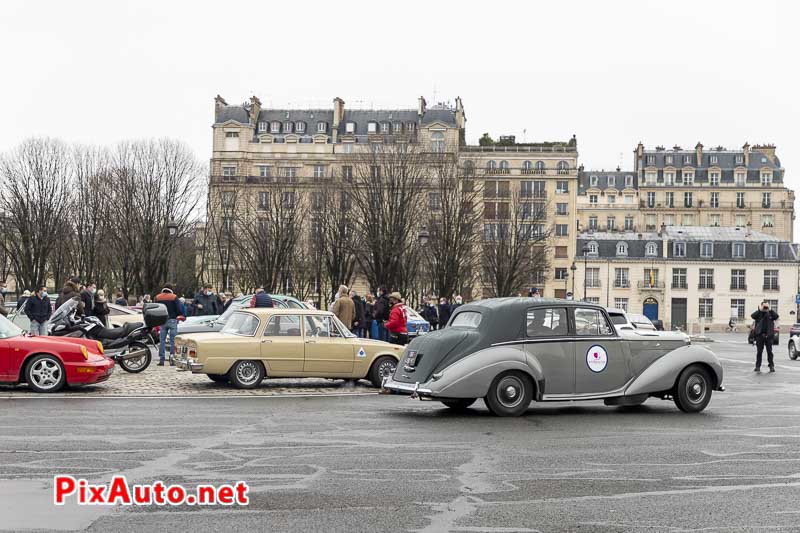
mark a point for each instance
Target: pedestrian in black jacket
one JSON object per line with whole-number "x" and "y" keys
{"x": 360, "y": 314}
{"x": 100, "y": 308}
{"x": 380, "y": 313}
{"x": 764, "y": 331}
{"x": 444, "y": 312}
{"x": 369, "y": 310}
{"x": 38, "y": 310}
{"x": 87, "y": 297}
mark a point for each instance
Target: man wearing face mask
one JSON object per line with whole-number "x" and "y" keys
{"x": 87, "y": 297}
{"x": 38, "y": 310}
{"x": 3, "y": 290}
{"x": 205, "y": 302}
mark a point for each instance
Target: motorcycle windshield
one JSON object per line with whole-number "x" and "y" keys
{"x": 63, "y": 312}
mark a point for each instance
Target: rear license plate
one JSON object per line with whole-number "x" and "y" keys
{"x": 411, "y": 358}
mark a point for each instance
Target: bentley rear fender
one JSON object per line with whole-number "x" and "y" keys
{"x": 471, "y": 376}
{"x": 663, "y": 373}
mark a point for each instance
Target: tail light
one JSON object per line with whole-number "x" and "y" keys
{"x": 157, "y": 330}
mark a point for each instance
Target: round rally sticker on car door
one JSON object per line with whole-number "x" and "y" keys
{"x": 596, "y": 358}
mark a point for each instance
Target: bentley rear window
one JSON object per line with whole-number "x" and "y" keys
{"x": 466, "y": 319}
{"x": 546, "y": 322}
{"x": 590, "y": 322}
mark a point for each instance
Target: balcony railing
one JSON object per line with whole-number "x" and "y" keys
{"x": 622, "y": 284}
{"x": 533, "y": 147}
{"x": 721, "y": 205}
{"x": 738, "y": 286}
{"x": 645, "y": 285}
{"x": 680, "y": 285}
{"x": 706, "y": 286}
{"x": 498, "y": 171}
{"x": 771, "y": 287}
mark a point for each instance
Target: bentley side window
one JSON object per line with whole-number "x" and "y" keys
{"x": 283, "y": 326}
{"x": 466, "y": 319}
{"x": 546, "y": 322}
{"x": 590, "y": 322}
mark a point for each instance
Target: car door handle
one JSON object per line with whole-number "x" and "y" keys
{"x": 266, "y": 340}
{"x": 311, "y": 341}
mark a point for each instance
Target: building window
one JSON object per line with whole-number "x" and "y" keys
{"x": 562, "y": 187}
{"x": 593, "y": 181}
{"x": 687, "y": 199}
{"x": 287, "y": 127}
{"x": 738, "y": 250}
{"x": 739, "y": 159}
{"x": 262, "y": 126}
{"x": 670, "y": 199}
{"x": 714, "y": 179}
{"x": 706, "y": 278}
{"x": 628, "y": 198}
{"x": 771, "y": 280}
{"x": 740, "y": 200}
{"x": 650, "y": 277}
{"x": 737, "y": 308}
{"x": 771, "y": 250}
{"x": 347, "y": 173}
{"x": 561, "y": 273}
{"x": 679, "y": 249}
{"x": 766, "y": 200}
{"x": 713, "y": 159}
{"x": 322, "y": 127}
{"x": 611, "y": 223}
{"x": 622, "y": 248}
{"x": 504, "y": 166}
{"x": 593, "y": 248}
{"x": 385, "y": 127}
{"x": 687, "y": 160}
{"x": 766, "y": 178}
{"x": 668, "y": 159}
{"x": 563, "y": 167}
{"x": 375, "y": 172}
{"x": 651, "y": 159}
{"x": 231, "y": 134}
{"x": 593, "y": 199}
{"x": 434, "y": 201}
{"x": 263, "y": 200}
{"x": 738, "y": 280}
{"x": 651, "y": 250}
{"x": 773, "y": 304}
{"x": 669, "y": 220}
{"x": 612, "y": 181}
{"x": 612, "y": 198}
{"x": 561, "y": 209}
{"x": 767, "y": 221}
{"x": 264, "y": 171}
{"x": 650, "y": 178}
{"x": 629, "y": 181}
{"x": 411, "y": 127}
{"x": 714, "y": 200}
{"x": 679, "y": 278}
{"x": 491, "y": 165}
{"x": 706, "y": 249}
{"x": 592, "y": 299}
{"x": 229, "y": 171}
{"x": 350, "y": 127}
{"x": 715, "y": 220}
{"x": 562, "y": 230}
{"x": 288, "y": 200}
{"x": 319, "y": 171}
{"x": 688, "y": 178}
{"x": 651, "y": 199}
{"x": 621, "y": 303}
{"x": 593, "y": 223}
{"x": 740, "y": 179}
{"x": 300, "y": 127}
{"x": 650, "y": 223}
{"x": 593, "y": 277}
{"x": 275, "y": 127}
{"x": 687, "y": 219}
{"x": 437, "y": 141}
{"x": 621, "y": 279}
{"x": 628, "y": 223}
{"x": 706, "y": 308}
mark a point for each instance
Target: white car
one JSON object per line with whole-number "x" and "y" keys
{"x": 794, "y": 347}
{"x": 624, "y": 322}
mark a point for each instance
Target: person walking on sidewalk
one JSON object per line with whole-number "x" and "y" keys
{"x": 176, "y": 312}
{"x": 764, "y": 331}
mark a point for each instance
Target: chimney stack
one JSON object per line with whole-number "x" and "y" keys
{"x": 698, "y": 150}
{"x": 746, "y": 149}
{"x": 461, "y": 120}
{"x": 219, "y": 104}
{"x": 338, "y": 112}
{"x": 255, "y": 110}
{"x": 749, "y": 228}
{"x": 637, "y": 156}
{"x": 421, "y": 106}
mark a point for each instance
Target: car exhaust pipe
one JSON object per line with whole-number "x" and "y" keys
{"x": 136, "y": 354}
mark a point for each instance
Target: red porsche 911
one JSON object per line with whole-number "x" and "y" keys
{"x": 48, "y": 364}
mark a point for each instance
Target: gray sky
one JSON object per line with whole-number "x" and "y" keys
{"x": 614, "y": 73}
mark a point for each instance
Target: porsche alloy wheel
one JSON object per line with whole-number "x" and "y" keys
{"x": 45, "y": 373}
{"x": 246, "y": 374}
{"x": 509, "y": 394}
{"x": 693, "y": 390}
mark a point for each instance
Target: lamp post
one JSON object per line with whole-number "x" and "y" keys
{"x": 423, "y": 237}
{"x": 573, "y": 268}
{"x": 172, "y": 231}
{"x": 585, "y": 252}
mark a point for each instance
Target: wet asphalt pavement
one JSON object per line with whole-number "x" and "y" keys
{"x": 386, "y": 463}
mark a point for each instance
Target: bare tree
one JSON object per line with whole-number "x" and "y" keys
{"x": 91, "y": 225}
{"x": 515, "y": 241}
{"x": 36, "y": 181}
{"x": 389, "y": 180}
{"x": 219, "y": 245}
{"x": 267, "y": 236}
{"x": 452, "y": 253}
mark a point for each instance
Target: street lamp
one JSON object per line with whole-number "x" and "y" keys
{"x": 423, "y": 237}
{"x": 573, "y": 268}
{"x": 585, "y": 252}
{"x": 172, "y": 231}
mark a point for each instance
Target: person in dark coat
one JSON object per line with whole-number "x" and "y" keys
{"x": 764, "y": 331}
{"x": 381, "y": 313}
{"x": 360, "y": 317}
{"x": 444, "y": 312}
{"x": 369, "y": 309}
{"x": 175, "y": 313}
{"x": 430, "y": 313}
{"x": 205, "y": 302}
{"x": 38, "y": 310}
{"x": 261, "y": 299}
{"x": 23, "y": 299}
{"x": 121, "y": 299}
{"x": 100, "y": 308}
{"x": 87, "y": 297}
{"x": 71, "y": 288}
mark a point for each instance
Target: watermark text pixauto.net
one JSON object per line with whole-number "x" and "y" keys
{"x": 119, "y": 492}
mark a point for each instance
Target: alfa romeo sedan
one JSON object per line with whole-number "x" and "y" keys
{"x": 510, "y": 351}
{"x": 269, "y": 342}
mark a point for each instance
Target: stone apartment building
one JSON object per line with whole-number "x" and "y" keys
{"x": 683, "y": 274}
{"x": 718, "y": 187}
{"x": 256, "y": 149}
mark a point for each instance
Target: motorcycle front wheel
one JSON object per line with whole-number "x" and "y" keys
{"x": 136, "y": 364}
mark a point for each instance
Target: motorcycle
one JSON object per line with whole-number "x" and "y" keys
{"x": 126, "y": 345}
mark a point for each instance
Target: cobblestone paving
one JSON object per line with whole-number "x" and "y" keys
{"x": 169, "y": 381}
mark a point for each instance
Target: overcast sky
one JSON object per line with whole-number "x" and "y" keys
{"x": 613, "y": 73}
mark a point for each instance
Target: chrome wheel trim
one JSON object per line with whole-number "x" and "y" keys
{"x": 45, "y": 373}
{"x": 387, "y": 368}
{"x": 696, "y": 389}
{"x": 247, "y": 372}
{"x": 510, "y": 391}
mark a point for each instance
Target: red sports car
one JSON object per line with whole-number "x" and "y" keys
{"x": 47, "y": 364}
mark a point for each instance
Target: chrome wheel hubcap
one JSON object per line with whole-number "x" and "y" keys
{"x": 46, "y": 373}
{"x": 510, "y": 391}
{"x": 387, "y": 369}
{"x": 247, "y": 372}
{"x": 696, "y": 387}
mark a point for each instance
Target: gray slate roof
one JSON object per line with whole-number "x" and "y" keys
{"x": 726, "y": 161}
{"x": 584, "y": 179}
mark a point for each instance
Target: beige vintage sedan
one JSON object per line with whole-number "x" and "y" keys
{"x": 272, "y": 343}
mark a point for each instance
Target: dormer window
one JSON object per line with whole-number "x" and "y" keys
{"x": 651, "y": 160}
{"x": 322, "y": 127}
{"x": 622, "y": 249}
{"x": 651, "y": 250}
{"x": 738, "y": 250}
{"x": 611, "y": 181}
{"x": 411, "y": 127}
{"x": 679, "y": 249}
{"x": 740, "y": 160}
{"x": 592, "y": 247}
{"x": 713, "y": 159}
{"x": 350, "y": 127}
{"x": 766, "y": 178}
{"x": 232, "y": 134}
{"x": 687, "y": 160}
{"x": 629, "y": 181}
{"x": 771, "y": 250}
{"x": 592, "y": 181}
{"x": 385, "y": 128}
{"x": 300, "y": 127}
{"x": 288, "y": 127}
{"x": 397, "y": 128}
{"x": 668, "y": 160}
{"x": 372, "y": 127}
{"x": 275, "y": 127}
{"x": 706, "y": 249}
{"x": 262, "y": 126}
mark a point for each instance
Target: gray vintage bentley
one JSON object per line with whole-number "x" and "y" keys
{"x": 510, "y": 351}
